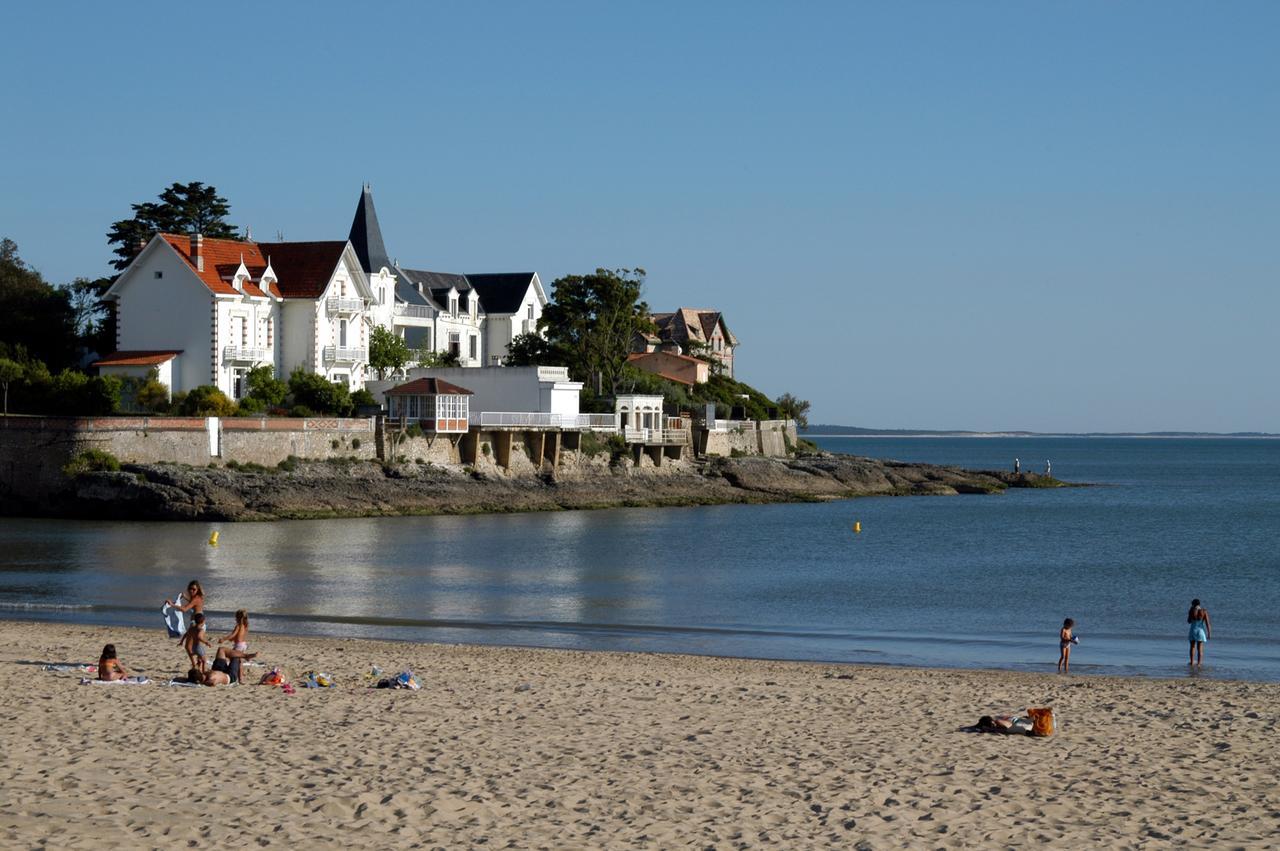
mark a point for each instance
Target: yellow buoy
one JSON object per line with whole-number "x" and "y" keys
{"x": 857, "y": 526}
{"x": 213, "y": 539}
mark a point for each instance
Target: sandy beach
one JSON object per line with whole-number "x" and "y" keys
{"x": 615, "y": 750}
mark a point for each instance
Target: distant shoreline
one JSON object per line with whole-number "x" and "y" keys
{"x": 1027, "y": 434}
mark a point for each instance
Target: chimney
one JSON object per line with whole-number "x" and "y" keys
{"x": 197, "y": 251}
{"x": 138, "y": 246}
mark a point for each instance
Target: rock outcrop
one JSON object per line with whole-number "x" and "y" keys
{"x": 362, "y": 488}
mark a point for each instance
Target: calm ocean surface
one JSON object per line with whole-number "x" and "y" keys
{"x": 966, "y": 581}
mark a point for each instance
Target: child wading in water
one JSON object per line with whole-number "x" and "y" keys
{"x": 1065, "y": 640}
{"x": 194, "y": 642}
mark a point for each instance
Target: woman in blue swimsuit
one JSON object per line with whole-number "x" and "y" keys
{"x": 1199, "y": 633}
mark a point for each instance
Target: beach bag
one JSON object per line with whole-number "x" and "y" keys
{"x": 271, "y": 678}
{"x": 1041, "y": 720}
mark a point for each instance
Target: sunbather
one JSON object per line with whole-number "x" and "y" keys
{"x": 109, "y": 667}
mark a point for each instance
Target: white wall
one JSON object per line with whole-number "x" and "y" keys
{"x": 172, "y": 312}
{"x": 253, "y": 310}
{"x": 509, "y": 388}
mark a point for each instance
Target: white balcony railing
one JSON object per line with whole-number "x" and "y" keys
{"x": 245, "y": 354}
{"x": 335, "y": 305}
{"x": 541, "y": 419}
{"x": 344, "y": 354}
{"x": 657, "y": 436}
{"x": 416, "y": 311}
{"x": 731, "y": 425}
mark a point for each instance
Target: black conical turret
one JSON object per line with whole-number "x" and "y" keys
{"x": 366, "y": 235}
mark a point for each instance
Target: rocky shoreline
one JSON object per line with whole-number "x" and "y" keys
{"x": 349, "y": 488}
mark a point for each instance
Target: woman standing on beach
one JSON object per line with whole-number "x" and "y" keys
{"x": 195, "y": 599}
{"x": 1199, "y": 633}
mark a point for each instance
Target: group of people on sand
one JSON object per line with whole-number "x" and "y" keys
{"x": 1197, "y": 617}
{"x": 225, "y": 668}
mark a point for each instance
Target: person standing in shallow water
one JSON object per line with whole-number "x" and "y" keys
{"x": 1198, "y": 634}
{"x": 1017, "y": 466}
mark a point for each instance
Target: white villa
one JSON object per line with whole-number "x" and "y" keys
{"x": 205, "y": 311}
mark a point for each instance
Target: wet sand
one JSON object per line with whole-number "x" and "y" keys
{"x": 615, "y": 750}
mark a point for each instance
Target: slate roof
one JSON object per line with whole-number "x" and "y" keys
{"x": 218, "y": 255}
{"x": 690, "y": 323}
{"x": 501, "y": 292}
{"x": 429, "y": 387}
{"x": 303, "y": 269}
{"x": 366, "y": 235}
{"x": 149, "y": 357}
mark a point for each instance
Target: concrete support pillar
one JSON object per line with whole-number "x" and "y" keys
{"x": 469, "y": 447}
{"x": 502, "y": 449}
{"x": 637, "y": 452}
{"x": 536, "y": 441}
{"x": 553, "y": 449}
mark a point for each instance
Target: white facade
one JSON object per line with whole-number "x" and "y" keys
{"x": 523, "y": 389}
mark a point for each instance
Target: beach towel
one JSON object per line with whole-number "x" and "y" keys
{"x": 316, "y": 679}
{"x": 173, "y": 620}
{"x": 183, "y": 682}
{"x": 68, "y": 667}
{"x": 127, "y": 681}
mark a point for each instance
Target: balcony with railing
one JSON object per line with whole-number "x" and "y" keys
{"x": 542, "y": 419}
{"x": 657, "y": 436}
{"x": 335, "y": 305}
{"x": 245, "y": 354}
{"x": 345, "y": 354}
{"x": 415, "y": 311}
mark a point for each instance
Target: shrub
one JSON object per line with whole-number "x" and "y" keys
{"x": 735, "y": 452}
{"x": 249, "y": 406}
{"x": 91, "y": 461}
{"x": 413, "y": 430}
{"x": 355, "y": 443}
{"x": 484, "y": 447}
{"x": 362, "y": 398}
{"x": 319, "y": 393}
{"x": 265, "y": 387}
{"x": 301, "y": 411}
{"x": 207, "y": 401}
{"x": 152, "y": 396}
{"x": 289, "y": 464}
{"x": 334, "y": 444}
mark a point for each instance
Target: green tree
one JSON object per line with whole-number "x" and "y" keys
{"x": 529, "y": 350}
{"x": 793, "y": 408}
{"x": 152, "y": 395}
{"x": 35, "y": 316}
{"x": 265, "y": 387}
{"x": 429, "y": 359}
{"x": 319, "y": 394}
{"x": 95, "y": 318}
{"x": 206, "y": 401}
{"x": 182, "y": 208}
{"x": 10, "y": 371}
{"x": 388, "y": 352}
{"x": 590, "y": 325}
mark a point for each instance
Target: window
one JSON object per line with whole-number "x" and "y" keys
{"x": 238, "y": 384}
{"x": 453, "y": 306}
{"x": 342, "y": 333}
{"x": 530, "y": 312}
{"x": 455, "y": 344}
{"x": 474, "y": 346}
{"x": 271, "y": 329}
{"x": 159, "y": 275}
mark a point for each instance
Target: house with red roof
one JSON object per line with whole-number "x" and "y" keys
{"x": 213, "y": 309}
{"x": 692, "y": 331}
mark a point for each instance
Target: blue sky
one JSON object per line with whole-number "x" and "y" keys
{"x": 1052, "y": 216}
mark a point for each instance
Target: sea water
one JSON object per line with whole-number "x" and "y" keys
{"x": 968, "y": 581}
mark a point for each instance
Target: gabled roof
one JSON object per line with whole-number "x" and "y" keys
{"x": 139, "y": 357}
{"x": 218, "y": 255}
{"x": 501, "y": 292}
{"x": 303, "y": 269}
{"x": 429, "y": 387}
{"x": 691, "y": 323}
{"x": 366, "y": 235}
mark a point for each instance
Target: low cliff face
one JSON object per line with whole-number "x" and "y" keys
{"x": 361, "y": 488}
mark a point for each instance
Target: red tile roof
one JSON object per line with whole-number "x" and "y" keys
{"x": 303, "y": 269}
{"x": 218, "y": 255}
{"x": 138, "y": 358}
{"x": 429, "y": 387}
